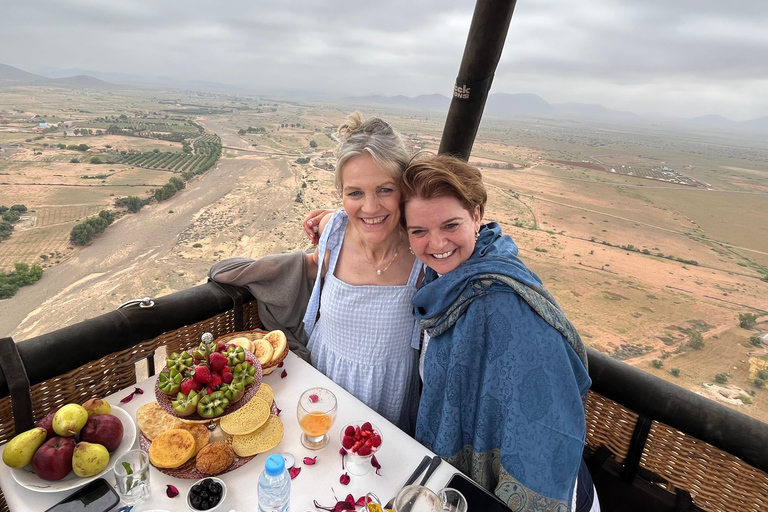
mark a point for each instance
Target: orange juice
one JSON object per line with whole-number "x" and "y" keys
{"x": 316, "y": 424}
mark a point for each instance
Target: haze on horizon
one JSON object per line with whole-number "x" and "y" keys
{"x": 683, "y": 59}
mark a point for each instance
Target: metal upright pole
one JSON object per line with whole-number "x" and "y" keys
{"x": 487, "y": 33}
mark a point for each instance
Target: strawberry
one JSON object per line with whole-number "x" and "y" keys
{"x": 225, "y": 369}
{"x": 364, "y": 450}
{"x": 350, "y": 431}
{"x": 366, "y": 427}
{"x": 227, "y": 377}
{"x": 221, "y": 346}
{"x": 347, "y": 442}
{"x": 217, "y": 361}
{"x": 202, "y": 374}
{"x": 216, "y": 381}
{"x": 187, "y": 385}
{"x": 356, "y": 446}
{"x": 376, "y": 441}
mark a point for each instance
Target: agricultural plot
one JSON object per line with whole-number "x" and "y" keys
{"x": 53, "y": 215}
{"x": 27, "y": 246}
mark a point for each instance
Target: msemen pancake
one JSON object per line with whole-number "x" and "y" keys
{"x": 264, "y": 439}
{"x": 172, "y": 448}
{"x": 200, "y": 432}
{"x": 246, "y": 419}
{"x": 153, "y": 420}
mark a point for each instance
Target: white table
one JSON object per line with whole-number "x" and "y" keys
{"x": 398, "y": 456}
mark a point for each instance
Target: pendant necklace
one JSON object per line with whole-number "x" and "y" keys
{"x": 381, "y": 271}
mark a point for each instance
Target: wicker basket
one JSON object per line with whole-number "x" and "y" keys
{"x": 256, "y": 335}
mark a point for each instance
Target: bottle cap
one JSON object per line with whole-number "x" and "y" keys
{"x": 275, "y": 465}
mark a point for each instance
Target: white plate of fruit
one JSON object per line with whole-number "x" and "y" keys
{"x": 56, "y": 463}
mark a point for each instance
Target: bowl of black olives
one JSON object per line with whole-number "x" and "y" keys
{"x": 207, "y": 494}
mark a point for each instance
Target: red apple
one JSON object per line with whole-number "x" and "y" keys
{"x": 53, "y": 460}
{"x": 47, "y": 423}
{"x": 103, "y": 429}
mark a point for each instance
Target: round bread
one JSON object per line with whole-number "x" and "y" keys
{"x": 260, "y": 441}
{"x": 247, "y": 418}
{"x": 278, "y": 341}
{"x": 215, "y": 458}
{"x": 263, "y": 351}
{"x": 244, "y": 342}
{"x": 265, "y": 393}
{"x": 200, "y": 432}
{"x": 172, "y": 448}
{"x": 153, "y": 420}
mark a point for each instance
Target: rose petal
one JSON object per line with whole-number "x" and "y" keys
{"x": 127, "y": 399}
{"x": 278, "y": 411}
{"x": 342, "y": 452}
{"x": 350, "y": 499}
{"x": 375, "y": 463}
{"x": 284, "y": 374}
{"x": 310, "y": 461}
{"x": 314, "y": 399}
{"x": 138, "y": 391}
{"x": 344, "y": 480}
{"x": 280, "y": 364}
{"x": 294, "y": 472}
{"x": 361, "y": 501}
{"x": 171, "y": 491}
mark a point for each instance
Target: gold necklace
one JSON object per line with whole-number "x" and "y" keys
{"x": 381, "y": 271}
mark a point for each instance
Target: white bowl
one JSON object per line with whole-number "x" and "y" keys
{"x": 219, "y": 506}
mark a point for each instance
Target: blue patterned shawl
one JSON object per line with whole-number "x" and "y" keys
{"x": 504, "y": 377}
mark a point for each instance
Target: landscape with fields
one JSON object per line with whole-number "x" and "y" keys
{"x": 653, "y": 237}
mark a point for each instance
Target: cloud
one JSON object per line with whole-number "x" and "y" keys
{"x": 685, "y": 57}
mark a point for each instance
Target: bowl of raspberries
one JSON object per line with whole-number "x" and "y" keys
{"x": 361, "y": 440}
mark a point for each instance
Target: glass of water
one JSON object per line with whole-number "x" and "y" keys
{"x": 132, "y": 476}
{"x": 453, "y": 500}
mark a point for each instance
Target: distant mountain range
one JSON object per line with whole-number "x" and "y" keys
{"x": 499, "y": 104}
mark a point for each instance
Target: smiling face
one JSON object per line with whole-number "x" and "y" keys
{"x": 371, "y": 199}
{"x": 441, "y": 232}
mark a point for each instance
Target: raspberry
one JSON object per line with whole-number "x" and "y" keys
{"x": 366, "y": 427}
{"x": 347, "y": 442}
{"x": 376, "y": 441}
{"x": 350, "y": 431}
{"x": 227, "y": 377}
{"x": 202, "y": 374}
{"x": 364, "y": 450}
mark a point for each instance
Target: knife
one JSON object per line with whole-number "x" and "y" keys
{"x": 436, "y": 460}
{"x": 421, "y": 467}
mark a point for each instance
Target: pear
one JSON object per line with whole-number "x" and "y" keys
{"x": 68, "y": 420}
{"x": 20, "y": 450}
{"x": 97, "y": 406}
{"x": 89, "y": 459}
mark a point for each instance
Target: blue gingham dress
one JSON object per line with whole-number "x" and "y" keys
{"x": 365, "y": 337}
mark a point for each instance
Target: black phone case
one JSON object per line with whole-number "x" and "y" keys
{"x": 96, "y": 496}
{"x": 478, "y": 499}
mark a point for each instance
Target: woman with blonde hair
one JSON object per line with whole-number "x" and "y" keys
{"x": 359, "y": 325}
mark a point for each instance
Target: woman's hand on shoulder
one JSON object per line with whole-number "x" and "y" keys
{"x": 314, "y": 222}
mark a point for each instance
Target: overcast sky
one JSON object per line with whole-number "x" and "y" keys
{"x": 672, "y": 57}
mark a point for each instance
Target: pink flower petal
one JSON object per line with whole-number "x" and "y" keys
{"x": 314, "y": 399}
{"x": 342, "y": 452}
{"x": 138, "y": 391}
{"x": 361, "y": 501}
{"x": 375, "y": 463}
{"x": 351, "y": 500}
{"x": 171, "y": 491}
{"x": 344, "y": 480}
{"x": 294, "y": 472}
{"x": 284, "y": 374}
{"x": 280, "y": 364}
{"x": 310, "y": 461}
{"x": 278, "y": 411}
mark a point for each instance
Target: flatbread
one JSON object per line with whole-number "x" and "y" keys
{"x": 172, "y": 448}
{"x": 153, "y": 420}
{"x": 263, "y": 351}
{"x": 244, "y": 342}
{"x": 265, "y": 393}
{"x": 263, "y": 440}
{"x": 200, "y": 432}
{"x": 246, "y": 419}
{"x": 215, "y": 458}
{"x": 278, "y": 341}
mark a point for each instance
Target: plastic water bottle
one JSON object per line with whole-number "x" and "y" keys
{"x": 274, "y": 486}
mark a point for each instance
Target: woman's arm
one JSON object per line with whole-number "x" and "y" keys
{"x": 312, "y": 258}
{"x": 312, "y": 224}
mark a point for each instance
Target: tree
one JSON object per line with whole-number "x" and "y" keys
{"x": 755, "y": 340}
{"x": 696, "y": 341}
{"x": 747, "y": 320}
{"x": 6, "y": 228}
{"x": 74, "y": 161}
{"x": 312, "y": 144}
{"x": 11, "y": 216}
{"x": 96, "y": 160}
{"x": 721, "y": 378}
{"x": 19, "y": 208}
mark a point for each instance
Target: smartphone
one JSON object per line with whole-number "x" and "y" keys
{"x": 96, "y": 496}
{"x": 478, "y": 499}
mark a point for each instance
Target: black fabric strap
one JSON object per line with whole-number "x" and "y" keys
{"x": 636, "y": 445}
{"x": 237, "y": 301}
{"x": 18, "y": 385}
{"x": 471, "y": 91}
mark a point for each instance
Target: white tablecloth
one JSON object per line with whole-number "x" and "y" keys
{"x": 398, "y": 456}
